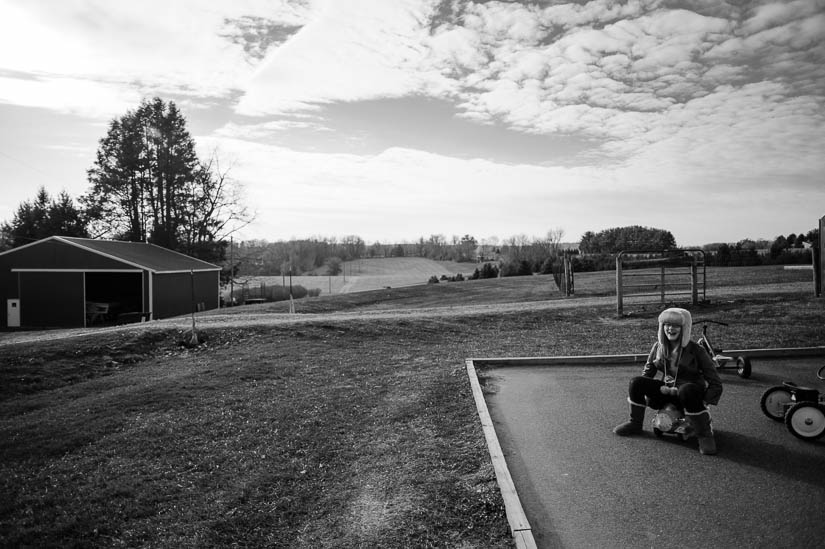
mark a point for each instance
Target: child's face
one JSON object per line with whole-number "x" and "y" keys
{"x": 673, "y": 332}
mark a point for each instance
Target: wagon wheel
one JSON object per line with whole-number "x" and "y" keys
{"x": 806, "y": 420}
{"x": 743, "y": 367}
{"x": 773, "y": 402}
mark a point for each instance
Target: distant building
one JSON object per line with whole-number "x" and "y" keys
{"x": 75, "y": 282}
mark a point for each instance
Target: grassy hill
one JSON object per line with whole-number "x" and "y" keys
{"x": 372, "y": 274}
{"x": 397, "y": 273}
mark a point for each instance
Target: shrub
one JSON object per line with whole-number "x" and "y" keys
{"x": 488, "y": 270}
{"x": 277, "y": 293}
{"x": 455, "y": 278}
{"x": 433, "y": 280}
{"x": 516, "y": 268}
{"x": 549, "y": 266}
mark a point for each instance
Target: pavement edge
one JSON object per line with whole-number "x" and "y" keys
{"x": 519, "y": 526}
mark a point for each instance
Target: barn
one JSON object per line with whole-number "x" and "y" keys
{"x": 77, "y": 282}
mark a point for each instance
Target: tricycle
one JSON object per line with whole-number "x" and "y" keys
{"x": 802, "y": 409}
{"x": 741, "y": 363}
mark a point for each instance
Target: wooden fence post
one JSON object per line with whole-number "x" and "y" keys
{"x": 662, "y": 284}
{"x": 619, "y": 285}
{"x": 694, "y": 283}
{"x": 817, "y": 255}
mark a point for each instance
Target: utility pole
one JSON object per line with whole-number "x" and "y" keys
{"x": 193, "y": 340}
{"x": 291, "y": 302}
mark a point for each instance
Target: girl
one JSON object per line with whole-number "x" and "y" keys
{"x": 689, "y": 380}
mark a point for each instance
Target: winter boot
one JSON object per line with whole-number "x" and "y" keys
{"x": 704, "y": 431}
{"x": 634, "y": 426}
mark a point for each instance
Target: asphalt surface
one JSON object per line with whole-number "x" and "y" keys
{"x": 582, "y": 486}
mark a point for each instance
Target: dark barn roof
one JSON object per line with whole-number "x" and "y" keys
{"x": 138, "y": 254}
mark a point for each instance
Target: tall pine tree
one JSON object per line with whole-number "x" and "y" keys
{"x": 147, "y": 184}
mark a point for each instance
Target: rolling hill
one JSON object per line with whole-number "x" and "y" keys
{"x": 372, "y": 274}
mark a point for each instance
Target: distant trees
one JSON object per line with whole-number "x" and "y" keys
{"x": 783, "y": 250}
{"x": 44, "y": 217}
{"x": 632, "y": 238}
{"x": 488, "y": 270}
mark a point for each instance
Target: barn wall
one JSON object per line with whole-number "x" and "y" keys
{"x": 59, "y": 299}
{"x": 8, "y": 289}
{"x": 52, "y": 299}
{"x": 173, "y": 292}
{"x": 47, "y": 254}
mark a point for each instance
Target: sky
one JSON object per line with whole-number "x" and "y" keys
{"x": 394, "y": 120}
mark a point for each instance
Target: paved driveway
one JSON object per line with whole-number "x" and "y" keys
{"x": 582, "y": 486}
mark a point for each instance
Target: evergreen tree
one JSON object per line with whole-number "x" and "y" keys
{"x": 149, "y": 185}
{"x": 44, "y": 217}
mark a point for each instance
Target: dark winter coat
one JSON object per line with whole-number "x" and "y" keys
{"x": 694, "y": 366}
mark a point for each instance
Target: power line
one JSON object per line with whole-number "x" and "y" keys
{"x": 27, "y": 165}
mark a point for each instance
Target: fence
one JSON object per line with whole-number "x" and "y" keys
{"x": 664, "y": 274}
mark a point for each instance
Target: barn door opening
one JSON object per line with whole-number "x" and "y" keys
{"x": 112, "y": 296}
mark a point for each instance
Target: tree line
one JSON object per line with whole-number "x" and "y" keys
{"x": 324, "y": 255}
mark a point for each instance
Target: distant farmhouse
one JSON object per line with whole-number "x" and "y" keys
{"x": 76, "y": 282}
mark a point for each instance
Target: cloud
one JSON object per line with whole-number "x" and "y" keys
{"x": 401, "y": 188}
{"x": 619, "y": 102}
{"x": 390, "y": 195}
{"x": 98, "y": 100}
{"x": 184, "y": 47}
{"x": 779, "y": 14}
{"x": 348, "y": 51}
{"x": 676, "y": 84}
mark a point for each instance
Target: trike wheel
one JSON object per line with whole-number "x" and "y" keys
{"x": 773, "y": 402}
{"x": 743, "y": 367}
{"x": 806, "y": 420}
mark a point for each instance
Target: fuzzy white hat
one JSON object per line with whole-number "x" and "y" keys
{"x": 675, "y": 315}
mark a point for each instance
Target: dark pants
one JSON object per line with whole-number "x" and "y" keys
{"x": 690, "y": 397}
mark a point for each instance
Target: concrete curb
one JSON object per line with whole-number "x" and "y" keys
{"x": 519, "y": 526}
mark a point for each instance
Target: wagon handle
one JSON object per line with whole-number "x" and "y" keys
{"x": 707, "y": 320}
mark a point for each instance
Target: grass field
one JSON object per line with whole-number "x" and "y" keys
{"x": 350, "y": 424}
{"x": 398, "y": 272}
{"x": 372, "y": 274}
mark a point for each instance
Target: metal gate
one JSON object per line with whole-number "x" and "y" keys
{"x": 665, "y": 274}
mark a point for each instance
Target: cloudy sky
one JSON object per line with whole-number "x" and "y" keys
{"x": 397, "y": 119}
